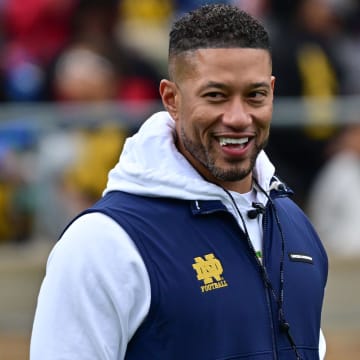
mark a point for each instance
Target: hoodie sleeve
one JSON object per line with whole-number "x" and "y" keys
{"x": 94, "y": 296}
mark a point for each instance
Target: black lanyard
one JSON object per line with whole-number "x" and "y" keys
{"x": 284, "y": 325}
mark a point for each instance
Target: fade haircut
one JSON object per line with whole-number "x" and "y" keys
{"x": 216, "y": 26}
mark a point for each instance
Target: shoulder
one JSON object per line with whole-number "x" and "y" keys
{"x": 96, "y": 248}
{"x": 92, "y": 230}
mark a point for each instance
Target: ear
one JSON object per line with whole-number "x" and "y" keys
{"x": 169, "y": 96}
{"x": 272, "y": 83}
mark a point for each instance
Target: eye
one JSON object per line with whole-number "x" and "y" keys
{"x": 258, "y": 96}
{"x": 214, "y": 96}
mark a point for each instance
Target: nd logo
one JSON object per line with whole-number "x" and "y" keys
{"x": 208, "y": 269}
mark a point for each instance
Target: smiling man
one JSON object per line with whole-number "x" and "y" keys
{"x": 221, "y": 101}
{"x": 195, "y": 250}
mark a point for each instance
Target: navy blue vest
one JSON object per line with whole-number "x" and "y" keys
{"x": 208, "y": 299}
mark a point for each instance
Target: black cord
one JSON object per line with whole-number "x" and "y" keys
{"x": 284, "y": 325}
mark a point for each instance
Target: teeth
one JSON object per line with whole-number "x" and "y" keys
{"x": 226, "y": 141}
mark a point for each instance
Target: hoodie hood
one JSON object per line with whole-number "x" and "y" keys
{"x": 150, "y": 165}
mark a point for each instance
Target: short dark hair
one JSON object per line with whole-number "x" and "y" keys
{"x": 217, "y": 26}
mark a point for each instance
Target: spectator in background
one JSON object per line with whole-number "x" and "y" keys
{"x": 334, "y": 198}
{"x": 18, "y": 141}
{"x": 94, "y": 25}
{"x": 305, "y": 66}
{"x": 85, "y": 76}
{"x": 143, "y": 25}
{"x": 95, "y": 67}
{"x": 82, "y": 75}
{"x": 348, "y": 45}
{"x": 35, "y": 31}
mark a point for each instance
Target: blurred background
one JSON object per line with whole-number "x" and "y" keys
{"x": 79, "y": 76}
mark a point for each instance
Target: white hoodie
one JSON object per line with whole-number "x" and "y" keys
{"x": 96, "y": 291}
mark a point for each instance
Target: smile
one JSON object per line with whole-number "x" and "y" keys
{"x": 225, "y": 141}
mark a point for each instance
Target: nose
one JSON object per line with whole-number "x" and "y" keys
{"x": 237, "y": 114}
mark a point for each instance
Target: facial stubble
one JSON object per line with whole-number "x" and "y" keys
{"x": 202, "y": 154}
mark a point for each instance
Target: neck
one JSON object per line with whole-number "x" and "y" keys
{"x": 241, "y": 186}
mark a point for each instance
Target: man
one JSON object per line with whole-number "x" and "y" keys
{"x": 195, "y": 250}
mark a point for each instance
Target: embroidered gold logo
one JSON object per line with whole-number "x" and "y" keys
{"x": 209, "y": 270}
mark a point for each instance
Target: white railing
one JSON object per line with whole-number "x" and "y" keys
{"x": 39, "y": 206}
{"x": 288, "y": 111}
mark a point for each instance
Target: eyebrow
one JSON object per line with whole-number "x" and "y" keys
{"x": 214, "y": 84}
{"x": 261, "y": 84}
{"x": 222, "y": 86}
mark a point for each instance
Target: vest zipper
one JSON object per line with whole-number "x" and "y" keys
{"x": 267, "y": 290}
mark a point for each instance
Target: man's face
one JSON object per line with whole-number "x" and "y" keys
{"x": 222, "y": 102}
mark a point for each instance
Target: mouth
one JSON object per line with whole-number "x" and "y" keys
{"x": 234, "y": 142}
